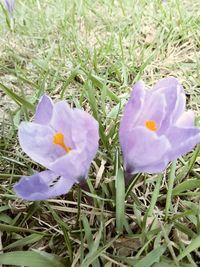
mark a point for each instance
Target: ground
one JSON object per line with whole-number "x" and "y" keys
{"x": 90, "y": 53}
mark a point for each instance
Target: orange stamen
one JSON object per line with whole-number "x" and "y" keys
{"x": 151, "y": 125}
{"x": 58, "y": 139}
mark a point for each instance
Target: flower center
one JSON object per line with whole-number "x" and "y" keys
{"x": 151, "y": 125}
{"x": 58, "y": 139}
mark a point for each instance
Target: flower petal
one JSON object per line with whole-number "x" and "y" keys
{"x": 182, "y": 140}
{"x": 73, "y": 165}
{"x": 175, "y": 99}
{"x": 39, "y": 187}
{"x": 36, "y": 141}
{"x": 144, "y": 150}
{"x": 132, "y": 110}
{"x": 44, "y": 110}
{"x": 10, "y": 5}
{"x": 187, "y": 119}
{"x": 62, "y": 121}
{"x": 154, "y": 109}
{"x": 88, "y": 140}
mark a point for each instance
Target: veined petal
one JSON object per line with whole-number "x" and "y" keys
{"x": 42, "y": 186}
{"x": 44, "y": 110}
{"x": 144, "y": 148}
{"x": 36, "y": 141}
{"x": 154, "y": 109}
{"x": 132, "y": 110}
{"x": 182, "y": 140}
{"x": 88, "y": 140}
{"x": 62, "y": 121}
{"x": 175, "y": 99}
{"x": 74, "y": 165}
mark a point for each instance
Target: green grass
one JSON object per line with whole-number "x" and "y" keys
{"x": 90, "y": 53}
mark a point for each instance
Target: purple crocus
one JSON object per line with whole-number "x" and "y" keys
{"x": 62, "y": 139}
{"x": 10, "y": 5}
{"x": 155, "y": 128}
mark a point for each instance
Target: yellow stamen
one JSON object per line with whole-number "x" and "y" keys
{"x": 58, "y": 139}
{"x": 151, "y": 125}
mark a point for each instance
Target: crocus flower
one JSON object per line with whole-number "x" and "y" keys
{"x": 155, "y": 128}
{"x": 10, "y": 5}
{"x": 62, "y": 139}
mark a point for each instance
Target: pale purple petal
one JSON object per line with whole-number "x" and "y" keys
{"x": 144, "y": 149}
{"x": 132, "y": 110}
{"x": 62, "y": 121}
{"x": 175, "y": 100}
{"x": 73, "y": 165}
{"x": 182, "y": 140}
{"x": 89, "y": 129}
{"x": 187, "y": 119}
{"x": 10, "y": 5}
{"x": 44, "y": 110}
{"x": 42, "y": 186}
{"x": 154, "y": 109}
{"x": 36, "y": 141}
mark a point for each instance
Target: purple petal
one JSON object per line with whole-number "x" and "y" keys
{"x": 182, "y": 140}
{"x": 187, "y": 119}
{"x": 154, "y": 109}
{"x": 62, "y": 121}
{"x": 44, "y": 110}
{"x": 36, "y": 141}
{"x": 132, "y": 110}
{"x": 89, "y": 128}
{"x": 10, "y": 5}
{"x": 42, "y": 186}
{"x": 73, "y": 165}
{"x": 175, "y": 99}
{"x": 144, "y": 150}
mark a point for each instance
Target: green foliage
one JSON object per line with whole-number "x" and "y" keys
{"x": 90, "y": 53}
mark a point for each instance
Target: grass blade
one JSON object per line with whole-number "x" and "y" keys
{"x": 30, "y": 259}
{"x": 120, "y": 200}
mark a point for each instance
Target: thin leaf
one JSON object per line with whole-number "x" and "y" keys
{"x": 30, "y": 259}
{"x": 195, "y": 244}
{"x": 18, "y": 99}
{"x": 151, "y": 257}
{"x": 120, "y": 200}
{"x": 186, "y": 185}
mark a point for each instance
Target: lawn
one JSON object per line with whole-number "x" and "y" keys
{"x": 90, "y": 53}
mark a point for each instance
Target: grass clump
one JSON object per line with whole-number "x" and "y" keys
{"x": 90, "y": 53}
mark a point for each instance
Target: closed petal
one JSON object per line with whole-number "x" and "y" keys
{"x": 145, "y": 149}
{"x": 10, "y": 5}
{"x": 74, "y": 165}
{"x": 187, "y": 119}
{"x": 154, "y": 109}
{"x": 44, "y": 110}
{"x": 182, "y": 140}
{"x": 157, "y": 167}
{"x": 36, "y": 141}
{"x": 132, "y": 110}
{"x": 42, "y": 186}
{"x": 88, "y": 140}
{"x": 175, "y": 99}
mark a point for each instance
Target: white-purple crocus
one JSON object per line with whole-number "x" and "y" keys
{"x": 62, "y": 139}
{"x": 155, "y": 128}
{"x": 10, "y": 5}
